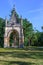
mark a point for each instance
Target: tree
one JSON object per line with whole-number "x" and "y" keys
{"x": 40, "y": 39}
{"x": 2, "y": 25}
{"x": 28, "y": 31}
{"x": 42, "y": 28}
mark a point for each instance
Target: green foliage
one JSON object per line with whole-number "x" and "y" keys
{"x": 14, "y": 35}
{"x": 42, "y": 27}
{"x": 28, "y": 31}
{"x": 40, "y": 39}
{"x": 2, "y": 25}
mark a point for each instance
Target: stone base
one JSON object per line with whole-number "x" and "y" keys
{"x": 6, "y": 45}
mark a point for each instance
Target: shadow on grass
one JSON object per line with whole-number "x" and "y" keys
{"x": 18, "y": 54}
{"x": 34, "y": 48}
{"x": 32, "y": 55}
{"x": 17, "y": 63}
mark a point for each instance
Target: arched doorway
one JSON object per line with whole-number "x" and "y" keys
{"x": 14, "y": 39}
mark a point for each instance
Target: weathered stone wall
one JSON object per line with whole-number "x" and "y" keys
{"x": 8, "y": 31}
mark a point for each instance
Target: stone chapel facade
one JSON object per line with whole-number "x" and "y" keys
{"x": 16, "y": 28}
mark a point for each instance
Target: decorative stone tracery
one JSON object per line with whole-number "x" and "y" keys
{"x": 13, "y": 26}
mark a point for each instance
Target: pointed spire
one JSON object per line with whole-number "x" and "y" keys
{"x": 21, "y": 21}
{"x": 6, "y": 21}
{"x": 14, "y": 7}
{"x": 13, "y": 15}
{"x": 14, "y": 10}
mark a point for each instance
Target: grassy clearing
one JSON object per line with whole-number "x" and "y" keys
{"x": 27, "y": 56}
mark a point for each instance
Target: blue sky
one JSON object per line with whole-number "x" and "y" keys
{"x": 30, "y": 9}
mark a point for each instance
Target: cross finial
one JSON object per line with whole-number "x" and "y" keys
{"x": 14, "y": 6}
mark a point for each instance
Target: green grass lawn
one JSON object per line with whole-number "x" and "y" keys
{"x": 29, "y": 56}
